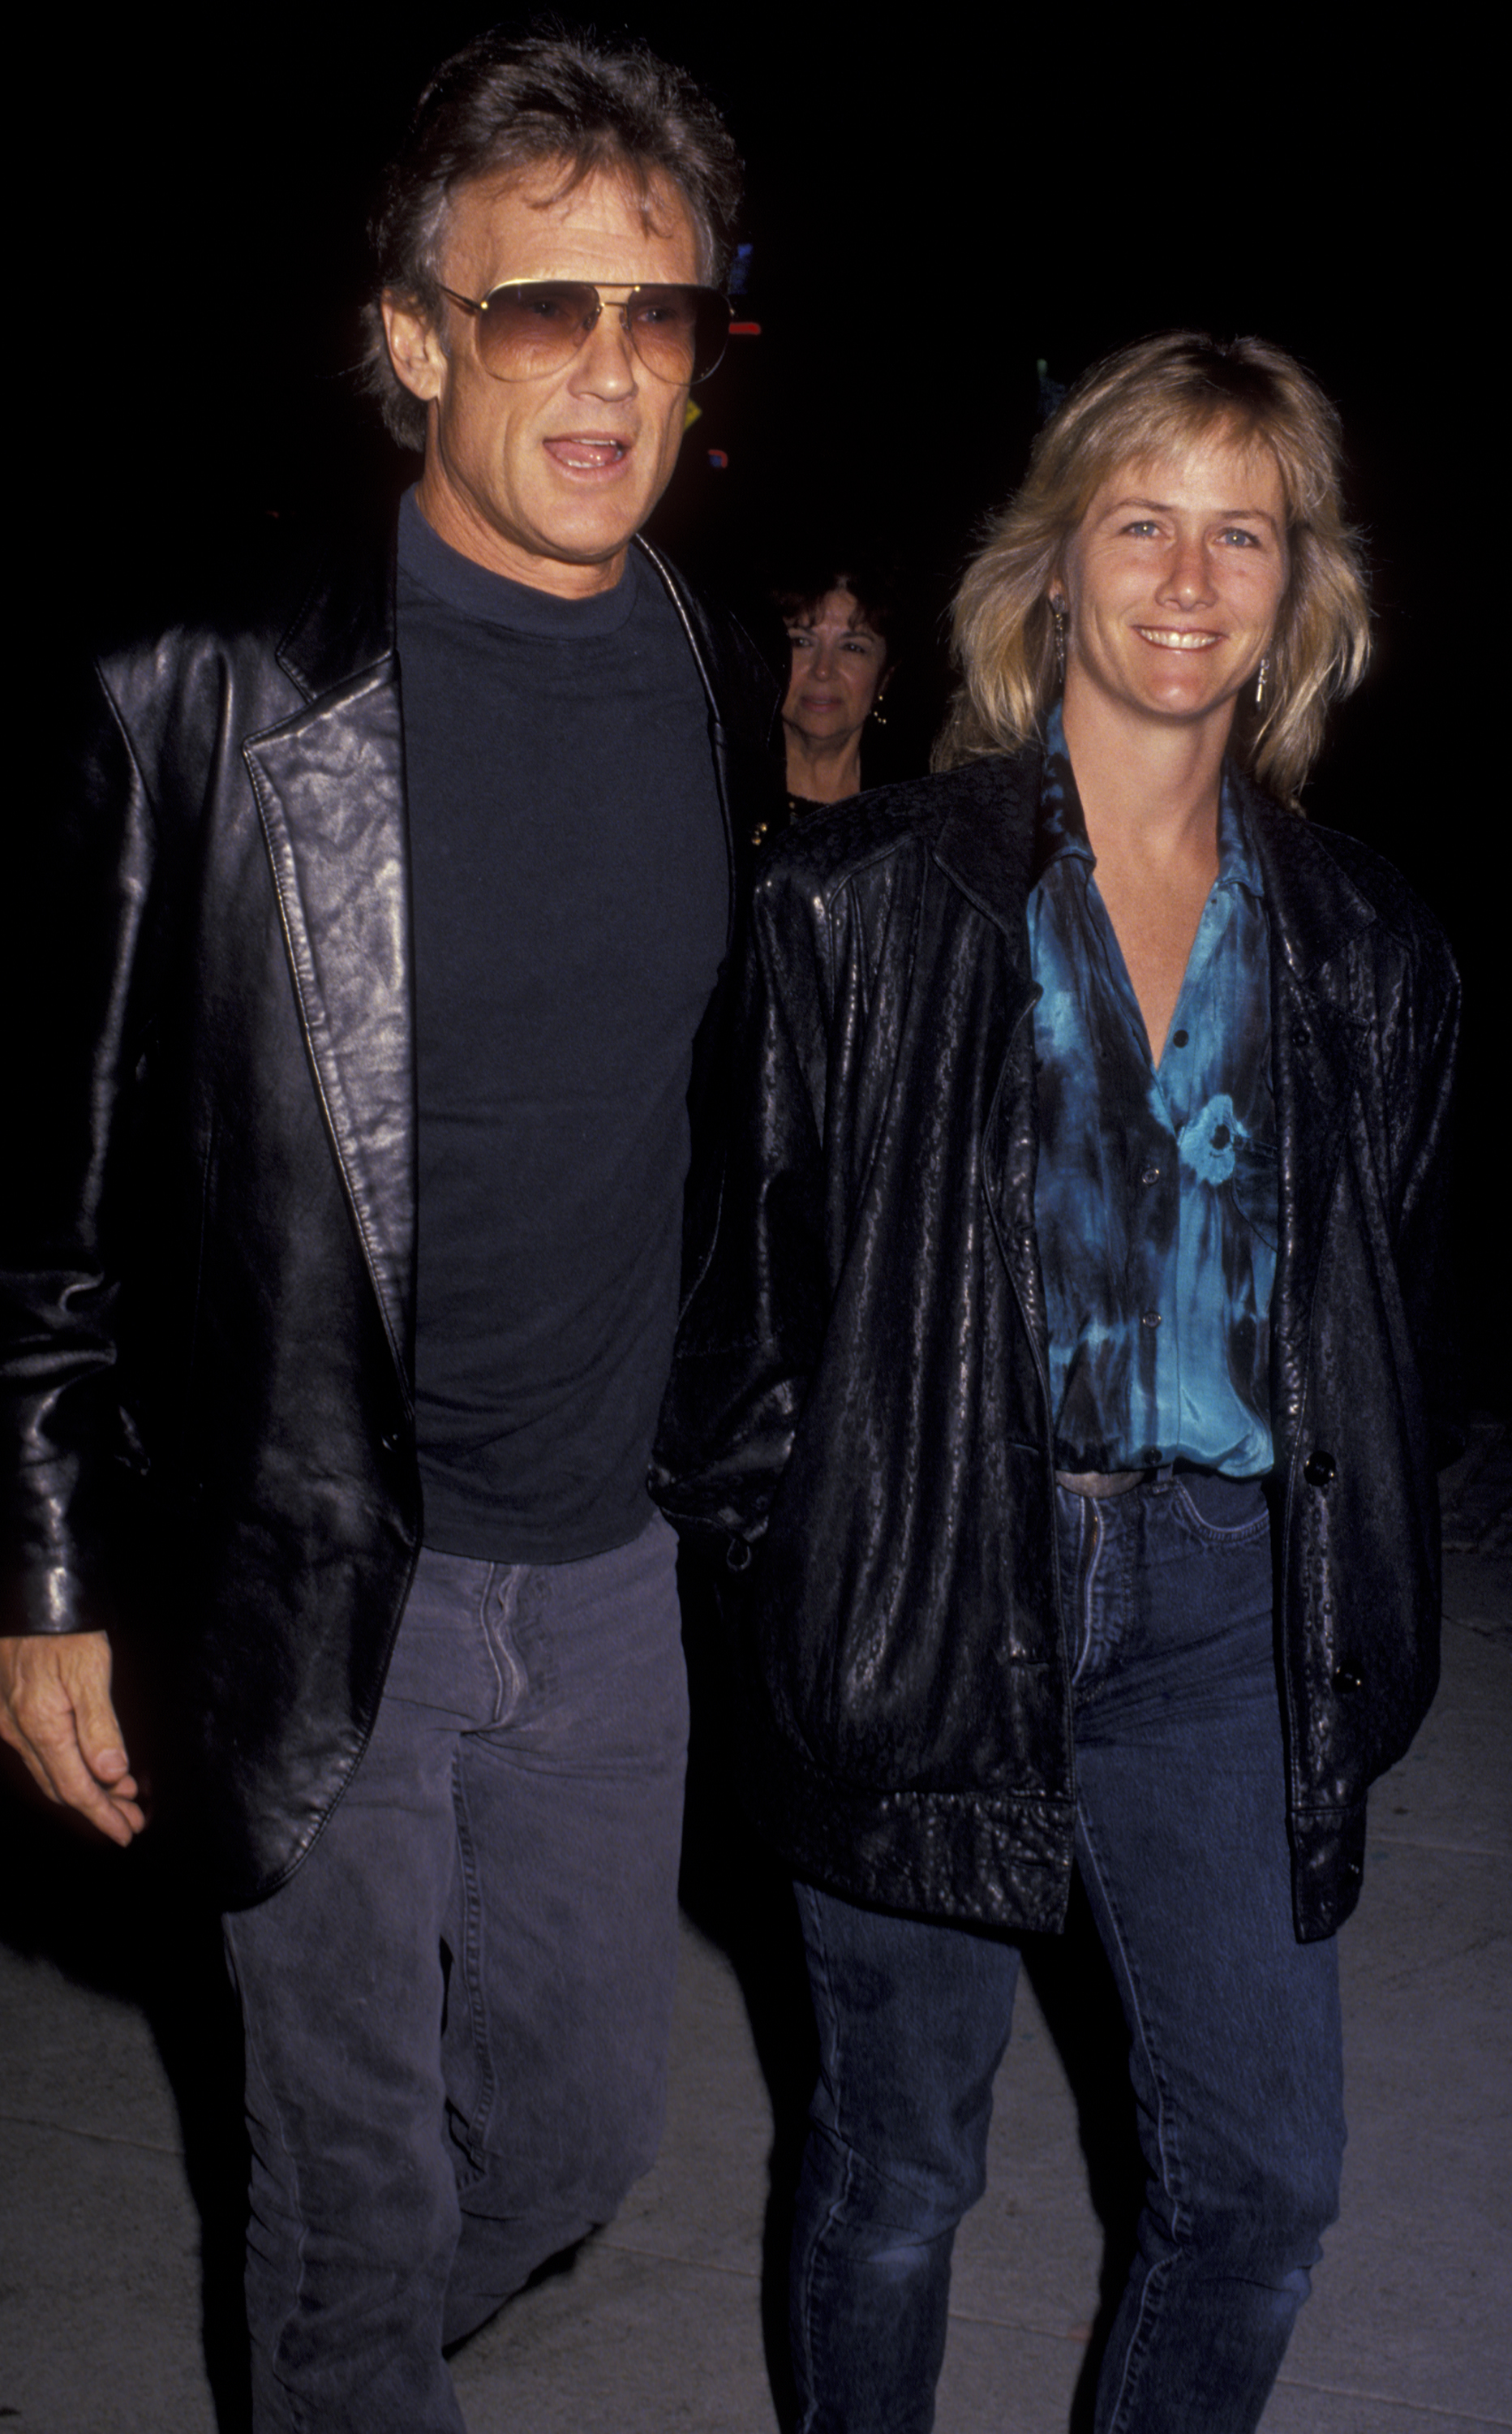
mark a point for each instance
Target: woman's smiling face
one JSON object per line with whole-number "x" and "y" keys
{"x": 1173, "y": 580}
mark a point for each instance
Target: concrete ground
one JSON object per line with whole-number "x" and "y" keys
{"x": 118, "y": 2129}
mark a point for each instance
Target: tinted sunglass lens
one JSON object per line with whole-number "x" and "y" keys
{"x": 711, "y": 314}
{"x": 679, "y": 332}
{"x": 535, "y": 328}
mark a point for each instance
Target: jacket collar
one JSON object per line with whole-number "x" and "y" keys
{"x": 344, "y": 626}
{"x": 987, "y": 838}
{"x": 1316, "y": 912}
{"x": 989, "y": 842}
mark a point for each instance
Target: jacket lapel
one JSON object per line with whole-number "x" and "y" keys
{"x": 743, "y": 696}
{"x": 1316, "y": 918}
{"x": 986, "y": 844}
{"x": 330, "y": 790}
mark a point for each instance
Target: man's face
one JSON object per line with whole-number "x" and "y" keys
{"x": 546, "y": 479}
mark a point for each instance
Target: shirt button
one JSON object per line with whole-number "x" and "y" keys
{"x": 1319, "y": 1471}
{"x": 1151, "y": 1175}
{"x": 1178, "y": 1038}
{"x": 1150, "y": 1318}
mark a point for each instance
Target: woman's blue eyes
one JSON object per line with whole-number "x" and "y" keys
{"x": 1147, "y": 524}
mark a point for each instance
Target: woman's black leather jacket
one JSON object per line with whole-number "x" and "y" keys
{"x": 858, "y": 1427}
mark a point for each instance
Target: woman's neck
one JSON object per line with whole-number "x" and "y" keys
{"x": 823, "y": 772}
{"x": 1149, "y": 787}
{"x": 1149, "y": 791}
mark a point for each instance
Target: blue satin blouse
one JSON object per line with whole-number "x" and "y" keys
{"x": 1156, "y": 1190}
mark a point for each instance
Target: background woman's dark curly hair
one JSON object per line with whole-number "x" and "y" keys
{"x": 800, "y": 594}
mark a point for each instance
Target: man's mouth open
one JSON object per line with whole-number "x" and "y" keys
{"x": 587, "y": 453}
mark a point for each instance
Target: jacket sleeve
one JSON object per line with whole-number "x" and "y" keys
{"x": 79, "y": 920}
{"x": 755, "y": 1314}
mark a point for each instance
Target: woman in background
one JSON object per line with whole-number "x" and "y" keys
{"x": 838, "y": 626}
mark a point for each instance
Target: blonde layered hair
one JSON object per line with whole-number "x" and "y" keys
{"x": 1147, "y": 402}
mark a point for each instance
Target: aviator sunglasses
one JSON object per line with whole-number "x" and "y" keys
{"x": 530, "y": 326}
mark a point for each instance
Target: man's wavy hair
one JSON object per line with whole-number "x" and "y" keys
{"x": 1147, "y": 402}
{"x": 510, "y": 103}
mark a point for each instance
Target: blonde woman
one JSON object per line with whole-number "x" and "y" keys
{"x": 1061, "y": 1396}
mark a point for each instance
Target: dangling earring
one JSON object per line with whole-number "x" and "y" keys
{"x": 1262, "y": 673}
{"x": 1058, "y": 612}
{"x": 878, "y": 712}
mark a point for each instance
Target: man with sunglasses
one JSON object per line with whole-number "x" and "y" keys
{"x": 392, "y": 913}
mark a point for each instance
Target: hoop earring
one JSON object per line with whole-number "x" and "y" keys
{"x": 1058, "y": 612}
{"x": 1261, "y": 674}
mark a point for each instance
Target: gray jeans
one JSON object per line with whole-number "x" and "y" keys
{"x": 457, "y": 2012}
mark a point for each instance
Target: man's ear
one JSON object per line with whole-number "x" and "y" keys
{"x": 414, "y": 350}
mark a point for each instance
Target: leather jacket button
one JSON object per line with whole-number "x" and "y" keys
{"x": 738, "y": 1556}
{"x": 1345, "y": 1680}
{"x": 389, "y": 1441}
{"x": 1319, "y": 1471}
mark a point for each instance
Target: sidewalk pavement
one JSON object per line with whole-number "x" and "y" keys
{"x": 121, "y": 2144}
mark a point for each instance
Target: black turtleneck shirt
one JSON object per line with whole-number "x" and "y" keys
{"x": 571, "y": 892}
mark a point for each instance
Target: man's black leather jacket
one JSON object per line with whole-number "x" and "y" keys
{"x": 861, "y": 1380}
{"x": 212, "y": 1257}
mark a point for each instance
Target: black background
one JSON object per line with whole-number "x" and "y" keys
{"x": 931, "y": 214}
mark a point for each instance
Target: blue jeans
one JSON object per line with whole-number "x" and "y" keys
{"x": 1233, "y": 2025}
{"x": 457, "y": 2011}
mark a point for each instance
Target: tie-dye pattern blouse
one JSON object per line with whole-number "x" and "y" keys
{"x": 1156, "y": 1192}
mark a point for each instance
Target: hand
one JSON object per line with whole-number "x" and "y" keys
{"x": 55, "y": 1709}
